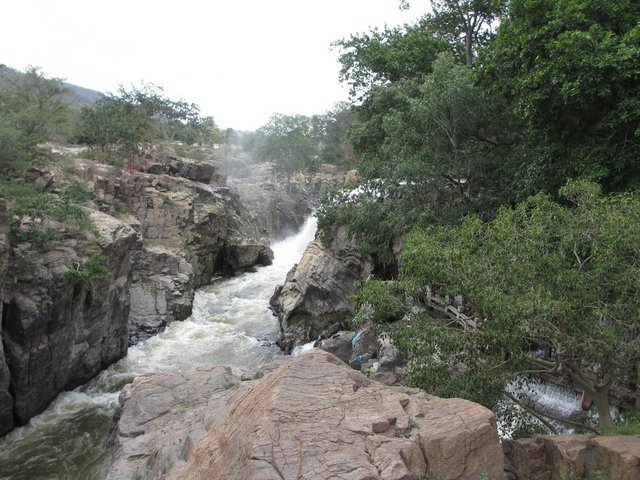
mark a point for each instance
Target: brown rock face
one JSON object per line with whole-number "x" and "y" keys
{"x": 583, "y": 456}
{"x": 192, "y": 225}
{"x": 6, "y": 400}
{"x": 277, "y": 205}
{"x": 316, "y": 292}
{"x": 58, "y": 335}
{"x": 311, "y": 418}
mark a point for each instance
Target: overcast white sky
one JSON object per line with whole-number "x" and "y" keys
{"x": 239, "y": 60}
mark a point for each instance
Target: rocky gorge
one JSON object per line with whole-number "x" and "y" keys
{"x": 338, "y": 411}
{"x": 165, "y": 227}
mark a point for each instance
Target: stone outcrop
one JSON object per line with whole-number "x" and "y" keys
{"x": 58, "y": 334}
{"x": 311, "y": 418}
{"x": 6, "y": 400}
{"x": 277, "y": 205}
{"x": 166, "y": 226}
{"x": 573, "y": 456}
{"x": 316, "y": 293}
{"x": 192, "y": 225}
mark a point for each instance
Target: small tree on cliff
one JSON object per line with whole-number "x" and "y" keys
{"x": 546, "y": 277}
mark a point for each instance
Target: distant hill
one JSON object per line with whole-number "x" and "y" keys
{"x": 76, "y": 95}
{"x": 83, "y": 95}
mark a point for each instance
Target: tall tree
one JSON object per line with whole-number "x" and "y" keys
{"x": 378, "y": 58}
{"x": 469, "y": 22}
{"x": 32, "y": 109}
{"x": 570, "y": 70}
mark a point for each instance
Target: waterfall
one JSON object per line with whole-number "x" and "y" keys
{"x": 230, "y": 324}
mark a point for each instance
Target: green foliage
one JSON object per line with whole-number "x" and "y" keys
{"x": 466, "y": 24}
{"x": 544, "y": 274}
{"x": 627, "y": 424}
{"x": 287, "y": 141}
{"x": 31, "y": 212}
{"x": 84, "y": 275}
{"x": 143, "y": 115}
{"x": 391, "y": 55}
{"x": 570, "y": 70}
{"x": 385, "y": 300}
{"x": 32, "y": 110}
{"x": 330, "y": 134}
{"x": 113, "y": 122}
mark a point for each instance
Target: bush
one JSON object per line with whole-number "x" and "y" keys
{"x": 95, "y": 267}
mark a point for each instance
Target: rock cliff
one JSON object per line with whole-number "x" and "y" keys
{"x": 310, "y": 417}
{"x": 165, "y": 228}
{"x": 278, "y": 205}
{"x": 58, "y": 334}
{"x": 316, "y": 293}
{"x": 573, "y": 456}
{"x": 6, "y": 400}
{"x": 192, "y": 226}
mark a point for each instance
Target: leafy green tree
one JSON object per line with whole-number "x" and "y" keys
{"x": 570, "y": 70}
{"x": 465, "y": 24}
{"x": 378, "y": 58}
{"x": 287, "y": 141}
{"x": 563, "y": 278}
{"x": 143, "y": 115}
{"x": 169, "y": 116}
{"x": 32, "y": 110}
{"x": 113, "y": 122}
{"x": 330, "y": 133}
{"x": 33, "y": 102}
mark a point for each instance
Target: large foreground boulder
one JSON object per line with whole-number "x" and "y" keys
{"x": 311, "y": 418}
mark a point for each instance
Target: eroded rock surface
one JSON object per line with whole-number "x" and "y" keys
{"x": 6, "y": 400}
{"x": 57, "y": 334}
{"x": 549, "y": 457}
{"x": 278, "y": 205}
{"x": 316, "y": 293}
{"x": 192, "y": 225}
{"x": 311, "y": 418}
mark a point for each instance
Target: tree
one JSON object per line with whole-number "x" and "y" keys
{"x": 466, "y": 22}
{"x": 143, "y": 115}
{"x": 113, "y": 122}
{"x": 287, "y": 141}
{"x": 378, "y": 58}
{"x": 32, "y": 110}
{"x": 169, "y": 116}
{"x": 570, "y": 70}
{"x": 561, "y": 278}
{"x": 330, "y": 134}
{"x": 33, "y": 102}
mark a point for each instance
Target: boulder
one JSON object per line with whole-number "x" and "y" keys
{"x": 316, "y": 293}
{"x": 311, "y": 418}
{"x": 549, "y": 457}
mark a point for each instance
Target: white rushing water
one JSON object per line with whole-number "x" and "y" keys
{"x": 230, "y": 325}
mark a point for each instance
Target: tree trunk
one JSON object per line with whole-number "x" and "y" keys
{"x": 469, "y": 47}
{"x": 601, "y": 401}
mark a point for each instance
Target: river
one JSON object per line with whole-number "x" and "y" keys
{"x": 230, "y": 325}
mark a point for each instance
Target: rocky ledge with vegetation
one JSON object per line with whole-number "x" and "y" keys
{"x": 104, "y": 245}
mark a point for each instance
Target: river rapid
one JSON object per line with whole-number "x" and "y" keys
{"x": 230, "y": 325}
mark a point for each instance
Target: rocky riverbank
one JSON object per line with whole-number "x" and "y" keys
{"x": 165, "y": 226}
{"x": 308, "y": 417}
